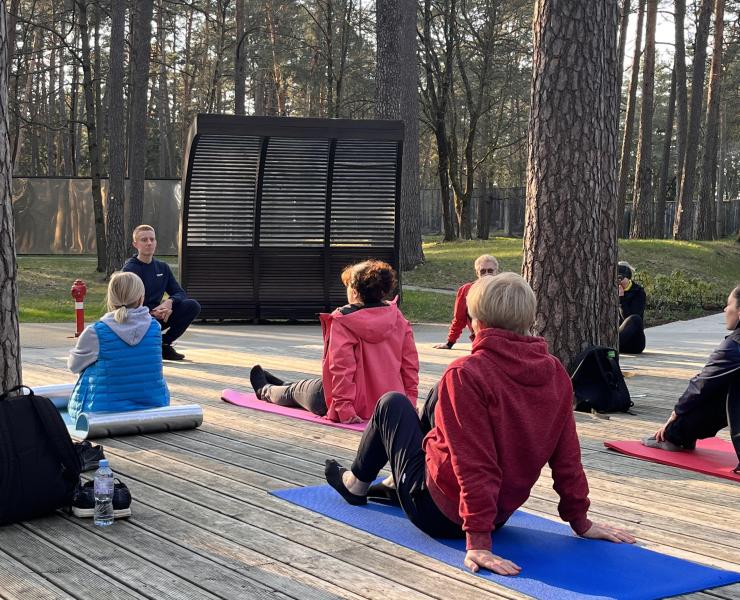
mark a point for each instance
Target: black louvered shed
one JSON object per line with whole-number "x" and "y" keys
{"x": 274, "y": 208}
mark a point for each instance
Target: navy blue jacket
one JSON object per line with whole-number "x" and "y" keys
{"x": 158, "y": 279}
{"x": 632, "y": 303}
{"x": 716, "y": 378}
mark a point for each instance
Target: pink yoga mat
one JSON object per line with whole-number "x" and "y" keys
{"x": 249, "y": 400}
{"x": 712, "y": 456}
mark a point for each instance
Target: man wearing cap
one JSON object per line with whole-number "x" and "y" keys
{"x": 631, "y": 311}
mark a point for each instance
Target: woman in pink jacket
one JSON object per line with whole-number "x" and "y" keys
{"x": 369, "y": 350}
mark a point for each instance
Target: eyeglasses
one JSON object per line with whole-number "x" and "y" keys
{"x": 487, "y": 271}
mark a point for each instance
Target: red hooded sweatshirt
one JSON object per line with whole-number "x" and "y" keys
{"x": 460, "y": 316}
{"x": 503, "y": 412}
{"x": 367, "y": 353}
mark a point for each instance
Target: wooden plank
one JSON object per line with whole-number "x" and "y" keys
{"x": 18, "y": 582}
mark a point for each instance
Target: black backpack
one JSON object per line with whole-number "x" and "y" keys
{"x": 598, "y": 383}
{"x": 39, "y": 467}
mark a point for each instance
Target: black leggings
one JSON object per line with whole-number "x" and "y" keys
{"x": 394, "y": 434}
{"x": 632, "y": 335}
{"x": 307, "y": 394}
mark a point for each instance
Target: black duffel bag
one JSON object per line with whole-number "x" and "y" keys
{"x": 39, "y": 467}
{"x": 598, "y": 383}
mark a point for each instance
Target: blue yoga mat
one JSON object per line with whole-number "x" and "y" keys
{"x": 555, "y": 563}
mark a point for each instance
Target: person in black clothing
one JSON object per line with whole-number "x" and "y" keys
{"x": 712, "y": 399}
{"x": 631, "y": 311}
{"x": 177, "y": 312}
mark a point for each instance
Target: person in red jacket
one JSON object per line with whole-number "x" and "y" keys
{"x": 484, "y": 265}
{"x": 503, "y": 412}
{"x": 369, "y": 350}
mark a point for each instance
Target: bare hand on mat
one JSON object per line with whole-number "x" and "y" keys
{"x": 475, "y": 559}
{"x": 660, "y": 434}
{"x": 444, "y": 346}
{"x": 609, "y": 533}
{"x": 354, "y": 419}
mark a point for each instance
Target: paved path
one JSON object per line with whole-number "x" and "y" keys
{"x": 204, "y": 525}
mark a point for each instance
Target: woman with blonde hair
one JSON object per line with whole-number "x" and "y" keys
{"x": 503, "y": 413}
{"x": 119, "y": 357}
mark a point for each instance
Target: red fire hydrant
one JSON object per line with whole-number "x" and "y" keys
{"x": 79, "y": 289}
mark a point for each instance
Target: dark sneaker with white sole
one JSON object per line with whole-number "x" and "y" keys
{"x": 89, "y": 454}
{"x": 83, "y": 500}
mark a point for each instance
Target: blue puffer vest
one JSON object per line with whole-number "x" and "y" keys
{"x": 124, "y": 377}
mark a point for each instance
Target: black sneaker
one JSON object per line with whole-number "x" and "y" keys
{"x": 169, "y": 353}
{"x": 83, "y": 500}
{"x": 271, "y": 379}
{"x": 89, "y": 454}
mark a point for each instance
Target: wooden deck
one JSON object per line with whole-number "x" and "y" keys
{"x": 204, "y": 526}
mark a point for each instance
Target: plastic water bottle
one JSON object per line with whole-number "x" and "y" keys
{"x": 103, "y": 495}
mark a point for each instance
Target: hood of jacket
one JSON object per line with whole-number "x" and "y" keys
{"x": 372, "y": 325}
{"x": 134, "y": 328}
{"x": 522, "y": 358}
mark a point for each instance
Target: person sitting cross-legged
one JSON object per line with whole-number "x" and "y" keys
{"x": 503, "y": 412}
{"x": 177, "y": 312}
{"x": 484, "y": 265}
{"x": 712, "y": 399}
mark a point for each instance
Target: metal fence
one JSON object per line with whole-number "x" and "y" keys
{"x": 507, "y": 213}
{"x": 54, "y": 215}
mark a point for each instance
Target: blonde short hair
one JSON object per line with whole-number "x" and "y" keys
{"x": 505, "y": 301}
{"x": 124, "y": 291}
{"x": 485, "y": 258}
{"x": 140, "y": 228}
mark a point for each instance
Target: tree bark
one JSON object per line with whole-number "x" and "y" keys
{"x": 163, "y": 120}
{"x": 642, "y": 197}
{"x": 571, "y": 174}
{"x": 115, "y": 234}
{"x": 240, "y": 54}
{"x": 683, "y": 224}
{"x": 411, "y": 249}
{"x": 665, "y": 165}
{"x": 682, "y": 108}
{"x": 92, "y": 136}
{"x": 706, "y": 216}
{"x": 10, "y": 347}
{"x": 139, "y": 117}
{"x": 624, "y": 18}
{"x": 721, "y": 176}
{"x": 625, "y": 160}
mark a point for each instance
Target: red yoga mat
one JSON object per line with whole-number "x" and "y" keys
{"x": 249, "y": 400}
{"x": 712, "y": 456}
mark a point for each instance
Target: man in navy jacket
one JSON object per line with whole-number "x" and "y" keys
{"x": 712, "y": 399}
{"x": 176, "y": 312}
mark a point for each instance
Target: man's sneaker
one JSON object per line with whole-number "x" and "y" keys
{"x": 258, "y": 380}
{"x": 271, "y": 379}
{"x": 169, "y": 353}
{"x": 651, "y": 442}
{"x": 90, "y": 455}
{"x": 83, "y": 500}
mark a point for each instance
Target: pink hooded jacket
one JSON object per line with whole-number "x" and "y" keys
{"x": 367, "y": 353}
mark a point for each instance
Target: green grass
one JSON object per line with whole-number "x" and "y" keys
{"x": 683, "y": 279}
{"x": 44, "y": 284}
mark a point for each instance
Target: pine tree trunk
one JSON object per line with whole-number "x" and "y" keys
{"x": 642, "y": 197}
{"x": 92, "y": 136}
{"x": 624, "y": 17}
{"x": 665, "y": 165}
{"x": 629, "y": 123}
{"x": 571, "y": 175}
{"x": 682, "y": 107}
{"x": 706, "y": 216}
{"x": 138, "y": 124}
{"x": 683, "y": 224}
{"x": 115, "y": 230}
{"x": 721, "y": 176}
{"x": 162, "y": 97}
{"x": 388, "y": 72}
{"x": 411, "y": 251}
{"x": 10, "y": 347}
{"x": 240, "y": 54}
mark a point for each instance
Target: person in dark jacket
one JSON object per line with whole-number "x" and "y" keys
{"x": 177, "y": 312}
{"x": 484, "y": 265}
{"x": 369, "y": 350}
{"x": 712, "y": 399}
{"x": 503, "y": 412}
{"x": 631, "y": 311}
